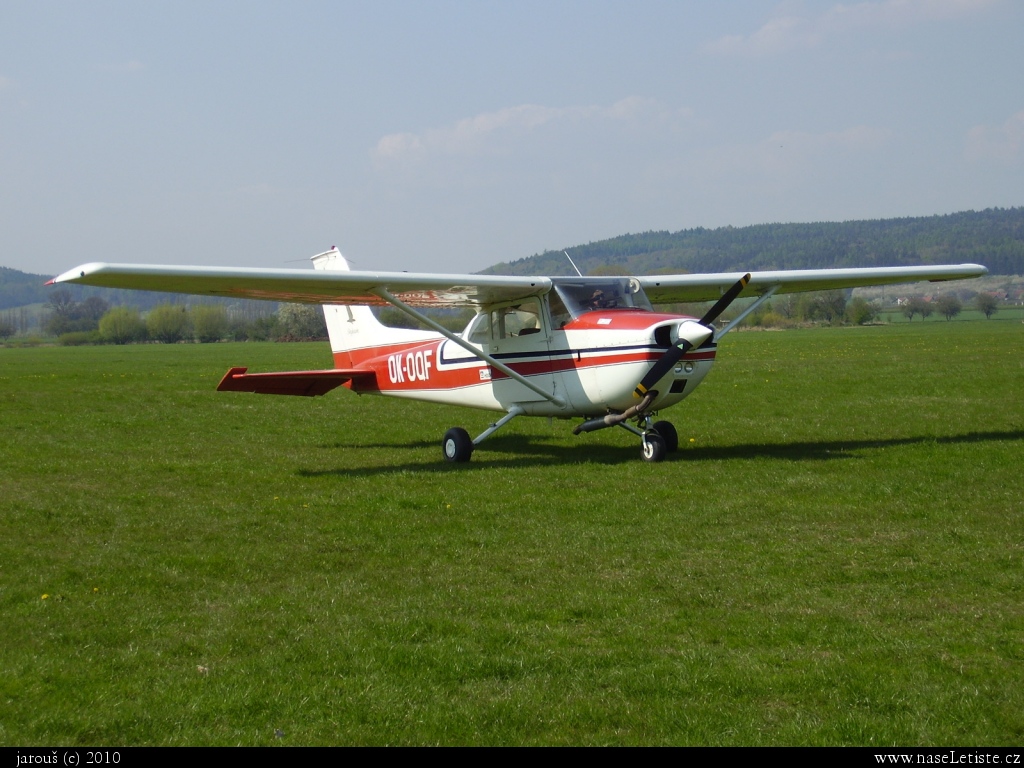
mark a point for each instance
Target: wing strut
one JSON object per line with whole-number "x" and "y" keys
{"x": 398, "y": 304}
{"x": 740, "y": 317}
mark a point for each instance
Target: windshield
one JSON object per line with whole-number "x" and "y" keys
{"x": 574, "y": 296}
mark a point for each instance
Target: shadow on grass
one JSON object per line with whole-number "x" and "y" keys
{"x": 495, "y": 453}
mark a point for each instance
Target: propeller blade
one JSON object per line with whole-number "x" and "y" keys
{"x": 674, "y": 353}
{"x": 727, "y": 298}
{"x": 663, "y": 366}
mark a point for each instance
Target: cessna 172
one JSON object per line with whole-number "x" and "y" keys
{"x": 588, "y": 347}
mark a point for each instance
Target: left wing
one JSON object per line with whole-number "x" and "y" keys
{"x": 308, "y": 286}
{"x": 665, "y": 289}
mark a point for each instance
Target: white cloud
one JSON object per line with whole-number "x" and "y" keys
{"x": 474, "y": 134}
{"x": 777, "y": 35}
{"x": 1002, "y": 143}
{"x": 494, "y": 132}
{"x": 790, "y": 32}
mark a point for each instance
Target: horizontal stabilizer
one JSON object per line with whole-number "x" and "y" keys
{"x": 304, "y": 383}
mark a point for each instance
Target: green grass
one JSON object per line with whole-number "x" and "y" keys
{"x": 834, "y": 556}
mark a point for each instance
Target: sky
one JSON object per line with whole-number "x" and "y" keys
{"x": 449, "y": 136}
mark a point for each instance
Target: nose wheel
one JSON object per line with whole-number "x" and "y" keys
{"x": 657, "y": 440}
{"x": 652, "y": 446}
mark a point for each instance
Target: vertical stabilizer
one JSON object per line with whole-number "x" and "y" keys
{"x": 355, "y": 332}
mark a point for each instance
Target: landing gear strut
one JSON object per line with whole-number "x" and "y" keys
{"x": 457, "y": 444}
{"x": 656, "y": 438}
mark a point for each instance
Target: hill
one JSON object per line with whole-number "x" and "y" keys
{"x": 18, "y": 289}
{"x": 993, "y": 237}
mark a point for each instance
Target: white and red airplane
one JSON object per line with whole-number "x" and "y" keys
{"x": 589, "y": 347}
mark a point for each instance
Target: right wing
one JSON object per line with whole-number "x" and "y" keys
{"x": 308, "y": 286}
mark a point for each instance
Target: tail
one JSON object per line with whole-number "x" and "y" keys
{"x": 355, "y": 332}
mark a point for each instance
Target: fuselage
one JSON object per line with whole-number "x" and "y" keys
{"x": 591, "y": 361}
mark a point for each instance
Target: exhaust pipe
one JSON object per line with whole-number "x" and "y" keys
{"x": 614, "y": 419}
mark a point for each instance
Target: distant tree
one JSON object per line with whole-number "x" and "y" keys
{"x": 6, "y": 329}
{"x": 238, "y": 329}
{"x": 917, "y": 306}
{"x": 69, "y": 316}
{"x": 788, "y": 306}
{"x": 262, "y": 328}
{"x": 61, "y": 302}
{"x": 302, "y": 321}
{"x": 860, "y": 311}
{"x": 828, "y": 306}
{"x": 92, "y": 309}
{"x": 833, "y": 305}
{"x": 209, "y": 322}
{"x": 61, "y": 306}
{"x": 949, "y": 306}
{"x": 122, "y": 325}
{"x": 168, "y": 323}
{"x": 986, "y": 304}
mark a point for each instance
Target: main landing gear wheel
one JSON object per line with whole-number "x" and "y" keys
{"x": 457, "y": 445}
{"x": 652, "y": 446}
{"x": 668, "y": 434}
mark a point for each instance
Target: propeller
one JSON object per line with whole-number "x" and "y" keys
{"x": 691, "y": 334}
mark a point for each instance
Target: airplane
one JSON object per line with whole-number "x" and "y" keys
{"x": 591, "y": 347}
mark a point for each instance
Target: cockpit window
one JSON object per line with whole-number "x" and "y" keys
{"x": 521, "y": 319}
{"x": 574, "y": 297}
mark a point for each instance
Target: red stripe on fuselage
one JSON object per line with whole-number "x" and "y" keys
{"x": 414, "y": 366}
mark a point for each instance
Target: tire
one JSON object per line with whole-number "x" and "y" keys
{"x": 652, "y": 447}
{"x": 668, "y": 434}
{"x": 457, "y": 445}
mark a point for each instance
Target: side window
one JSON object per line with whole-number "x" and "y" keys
{"x": 521, "y": 319}
{"x": 480, "y": 329}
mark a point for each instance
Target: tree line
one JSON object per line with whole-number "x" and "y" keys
{"x": 836, "y": 307}
{"x": 94, "y": 321}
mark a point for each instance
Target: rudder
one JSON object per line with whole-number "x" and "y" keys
{"x": 353, "y": 329}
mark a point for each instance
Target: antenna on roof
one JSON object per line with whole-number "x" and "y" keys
{"x": 573, "y": 263}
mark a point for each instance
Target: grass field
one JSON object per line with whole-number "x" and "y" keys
{"x": 834, "y": 556}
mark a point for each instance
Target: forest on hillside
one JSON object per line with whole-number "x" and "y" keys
{"x": 993, "y": 237}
